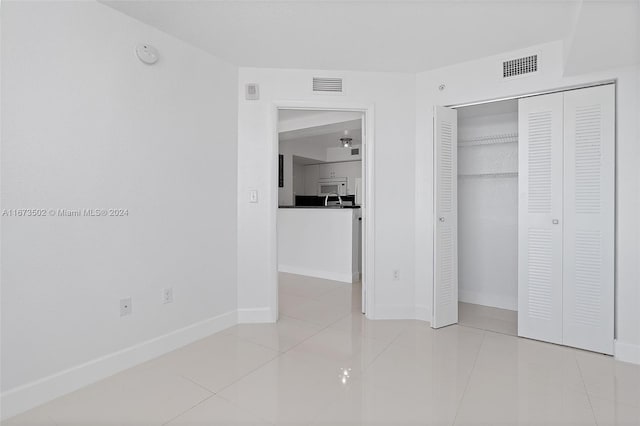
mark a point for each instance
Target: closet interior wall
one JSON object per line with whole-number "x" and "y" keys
{"x": 488, "y": 204}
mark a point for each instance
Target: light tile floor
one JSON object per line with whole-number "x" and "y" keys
{"x": 323, "y": 363}
{"x": 488, "y": 318}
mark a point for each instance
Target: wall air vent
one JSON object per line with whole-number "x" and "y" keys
{"x": 520, "y": 66}
{"x": 327, "y": 85}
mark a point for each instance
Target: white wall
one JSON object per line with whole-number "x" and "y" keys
{"x": 393, "y": 96}
{"x": 298, "y": 179}
{"x": 87, "y": 125}
{"x": 320, "y": 243}
{"x": 305, "y": 147}
{"x": 480, "y": 80}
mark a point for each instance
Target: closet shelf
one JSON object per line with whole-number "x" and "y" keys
{"x": 489, "y": 175}
{"x": 489, "y": 140}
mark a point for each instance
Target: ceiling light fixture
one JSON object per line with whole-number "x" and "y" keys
{"x": 345, "y": 141}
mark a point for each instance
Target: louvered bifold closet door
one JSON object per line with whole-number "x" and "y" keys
{"x": 540, "y": 123}
{"x": 445, "y": 293}
{"x": 589, "y": 158}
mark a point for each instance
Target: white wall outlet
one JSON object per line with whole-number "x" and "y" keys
{"x": 167, "y": 295}
{"x": 396, "y": 274}
{"x": 125, "y": 307}
{"x": 253, "y": 196}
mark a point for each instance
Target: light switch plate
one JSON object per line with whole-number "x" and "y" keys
{"x": 253, "y": 196}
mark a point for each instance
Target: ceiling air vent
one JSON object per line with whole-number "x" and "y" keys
{"x": 327, "y": 85}
{"x": 519, "y": 66}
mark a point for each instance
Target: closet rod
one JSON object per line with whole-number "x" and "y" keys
{"x": 489, "y": 175}
{"x": 490, "y": 140}
{"x": 528, "y": 95}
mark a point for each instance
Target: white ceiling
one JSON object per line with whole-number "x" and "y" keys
{"x": 305, "y": 120}
{"x": 311, "y": 149}
{"x": 333, "y": 132}
{"x": 297, "y": 114}
{"x": 605, "y": 35}
{"x": 291, "y": 119}
{"x": 357, "y": 35}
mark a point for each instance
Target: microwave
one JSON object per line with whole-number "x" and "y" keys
{"x": 332, "y": 186}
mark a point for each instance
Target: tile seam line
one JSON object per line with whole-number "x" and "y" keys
{"x": 586, "y": 391}
{"x": 320, "y": 330}
{"x": 466, "y": 387}
{"x": 192, "y": 407}
{"x": 364, "y": 370}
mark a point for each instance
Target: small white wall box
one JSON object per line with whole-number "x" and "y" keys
{"x": 252, "y": 91}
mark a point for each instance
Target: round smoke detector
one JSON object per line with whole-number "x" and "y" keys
{"x": 147, "y": 53}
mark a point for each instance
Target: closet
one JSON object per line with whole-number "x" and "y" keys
{"x": 488, "y": 216}
{"x": 524, "y": 197}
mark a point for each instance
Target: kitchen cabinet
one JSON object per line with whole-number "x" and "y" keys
{"x": 342, "y": 169}
{"x": 347, "y": 169}
{"x": 327, "y": 170}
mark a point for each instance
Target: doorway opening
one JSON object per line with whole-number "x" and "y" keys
{"x": 488, "y": 216}
{"x": 322, "y": 214}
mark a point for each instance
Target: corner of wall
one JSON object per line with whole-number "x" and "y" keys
{"x": 568, "y": 40}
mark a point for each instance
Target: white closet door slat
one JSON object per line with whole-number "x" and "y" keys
{"x": 445, "y": 293}
{"x": 589, "y": 189}
{"x": 540, "y": 122}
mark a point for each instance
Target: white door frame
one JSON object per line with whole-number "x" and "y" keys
{"x": 368, "y": 235}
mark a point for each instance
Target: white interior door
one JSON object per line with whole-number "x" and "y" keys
{"x": 540, "y": 128}
{"x": 445, "y": 283}
{"x": 589, "y": 203}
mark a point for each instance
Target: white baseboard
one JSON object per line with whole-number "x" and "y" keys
{"x": 494, "y": 301}
{"x": 327, "y": 275}
{"x": 30, "y": 395}
{"x": 257, "y": 315}
{"x": 627, "y": 352}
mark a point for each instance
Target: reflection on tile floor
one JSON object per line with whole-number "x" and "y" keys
{"x": 323, "y": 363}
{"x": 488, "y": 318}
